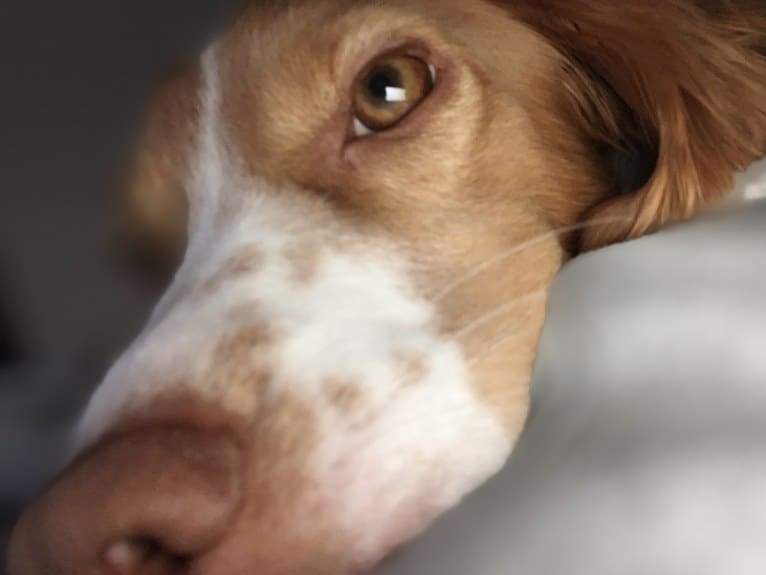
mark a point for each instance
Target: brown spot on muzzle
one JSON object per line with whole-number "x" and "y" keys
{"x": 304, "y": 257}
{"x": 150, "y": 500}
{"x": 241, "y": 365}
{"x": 241, "y": 264}
{"x": 411, "y": 367}
{"x": 344, "y": 395}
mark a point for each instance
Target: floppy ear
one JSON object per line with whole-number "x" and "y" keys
{"x": 692, "y": 77}
{"x": 153, "y": 208}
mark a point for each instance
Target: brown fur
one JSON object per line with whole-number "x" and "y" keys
{"x": 305, "y": 259}
{"x": 239, "y": 362}
{"x": 154, "y": 208}
{"x": 345, "y": 396}
{"x": 411, "y": 366}
{"x": 693, "y": 75}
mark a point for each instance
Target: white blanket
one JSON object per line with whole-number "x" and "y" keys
{"x": 646, "y": 450}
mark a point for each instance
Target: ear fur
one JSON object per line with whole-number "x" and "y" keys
{"x": 692, "y": 74}
{"x": 153, "y": 208}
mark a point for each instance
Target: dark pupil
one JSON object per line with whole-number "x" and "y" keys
{"x": 380, "y": 79}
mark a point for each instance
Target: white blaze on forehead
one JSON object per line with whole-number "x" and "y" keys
{"x": 207, "y": 179}
{"x": 409, "y": 445}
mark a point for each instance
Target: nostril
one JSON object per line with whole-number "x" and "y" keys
{"x": 127, "y": 556}
{"x": 178, "y": 486}
{"x": 142, "y": 556}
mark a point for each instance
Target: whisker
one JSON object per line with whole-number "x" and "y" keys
{"x": 488, "y": 264}
{"x": 499, "y": 312}
{"x": 471, "y": 362}
{"x": 445, "y": 417}
{"x": 493, "y": 345}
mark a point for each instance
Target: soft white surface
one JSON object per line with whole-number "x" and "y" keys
{"x": 646, "y": 450}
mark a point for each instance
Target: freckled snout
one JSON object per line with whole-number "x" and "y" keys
{"x": 146, "y": 502}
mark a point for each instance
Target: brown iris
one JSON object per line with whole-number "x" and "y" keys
{"x": 389, "y": 90}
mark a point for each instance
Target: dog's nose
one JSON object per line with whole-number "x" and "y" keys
{"x": 147, "y": 502}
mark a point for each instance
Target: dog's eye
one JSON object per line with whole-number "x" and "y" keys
{"x": 388, "y": 91}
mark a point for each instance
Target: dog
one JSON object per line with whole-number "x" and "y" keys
{"x": 373, "y": 198}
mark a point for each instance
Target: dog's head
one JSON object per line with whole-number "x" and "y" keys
{"x": 379, "y": 194}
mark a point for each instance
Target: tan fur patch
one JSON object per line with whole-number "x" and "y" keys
{"x": 344, "y": 395}
{"x": 411, "y": 367}
{"x": 244, "y": 263}
{"x": 304, "y": 257}
{"x": 241, "y": 366}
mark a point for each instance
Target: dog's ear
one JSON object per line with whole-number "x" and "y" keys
{"x": 153, "y": 208}
{"x": 673, "y": 91}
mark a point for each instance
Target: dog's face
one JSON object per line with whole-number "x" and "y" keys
{"x": 379, "y": 195}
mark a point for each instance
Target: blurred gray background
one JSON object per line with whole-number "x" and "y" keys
{"x": 76, "y": 78}
{"x": 645, "y": 452}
